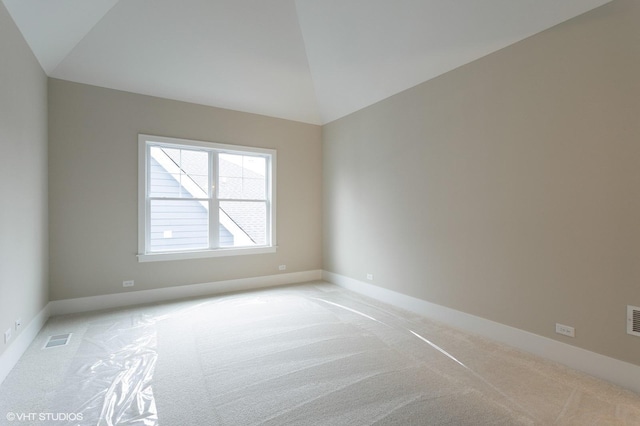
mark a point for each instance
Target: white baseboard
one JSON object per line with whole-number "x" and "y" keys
{"x": 108, "y": 301}
{"x": 11, "y": 356}
{"x": 610, "y": 369}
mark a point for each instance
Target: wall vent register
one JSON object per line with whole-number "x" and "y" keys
{"x": 633, "y": 320}
{"x": 58, "y": 340}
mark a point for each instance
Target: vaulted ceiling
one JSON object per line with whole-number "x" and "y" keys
{"x": 307, "y": 60}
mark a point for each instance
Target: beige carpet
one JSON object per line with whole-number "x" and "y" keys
{"x": 301, "y": 355}
{"x": 295, "y": 359}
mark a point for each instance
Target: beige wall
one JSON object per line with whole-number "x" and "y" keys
{"x": 23, "y": 181}
{"x": 93, "y": 185}
{"x": 508, "y": 188}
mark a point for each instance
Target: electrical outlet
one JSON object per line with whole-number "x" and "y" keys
{"x": 370, "y": 277}
{"x": 127, "y": 283}
{"x": 18, "y": 323}
{"x": 282, "y": 267}
{"x": 7, "y": 336}
{"x": 565, "y": 330}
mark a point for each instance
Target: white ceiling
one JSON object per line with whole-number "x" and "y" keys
{"x": 307, "y": 60}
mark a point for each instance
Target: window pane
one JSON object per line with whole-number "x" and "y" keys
{"x": 245, "y": 223}
{"x": 179, "y": 225}
{"x": 178, "y": 173}
{"x": 241, "y": 177}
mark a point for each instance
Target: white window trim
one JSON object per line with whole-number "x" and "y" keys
{"x": 143, "y": 213}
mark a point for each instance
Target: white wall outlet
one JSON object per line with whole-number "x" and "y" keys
{"x": 370, "y": 277}
{"x": 18, "y": 323}
{"x": 127, "y": 283}
{"x": 282, "y": 267}
{"x": 565, "y": 330}
{"x": 7, "y": 336}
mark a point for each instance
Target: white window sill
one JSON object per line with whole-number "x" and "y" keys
{"x": 201, "y": 254}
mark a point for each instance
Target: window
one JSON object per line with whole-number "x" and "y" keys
{"x": 202, "y": 199}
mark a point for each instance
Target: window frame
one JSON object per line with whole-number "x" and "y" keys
{"x": 145, "y": 142}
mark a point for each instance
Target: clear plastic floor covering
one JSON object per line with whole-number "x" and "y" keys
{"x": 309, "y": 354}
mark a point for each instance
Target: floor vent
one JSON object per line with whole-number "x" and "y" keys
{"x": 58, "y": 340}
{"x": 633, "y": 320}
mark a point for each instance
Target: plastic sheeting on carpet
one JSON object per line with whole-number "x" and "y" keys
{"x": 308, "y": 355}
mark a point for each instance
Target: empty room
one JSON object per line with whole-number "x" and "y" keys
{"x": 299, "y": 212}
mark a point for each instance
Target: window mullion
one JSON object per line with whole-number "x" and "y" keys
{"x": 214, "y": 205}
